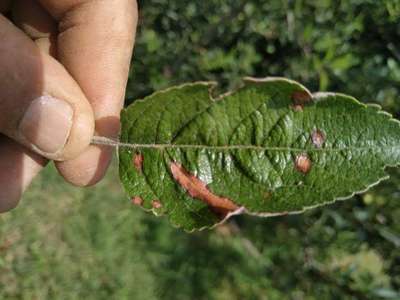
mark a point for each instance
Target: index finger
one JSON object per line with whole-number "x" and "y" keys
{"x": 95, "y": 45}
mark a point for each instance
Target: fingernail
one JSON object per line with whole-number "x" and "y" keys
{"x": 47, "y": 124}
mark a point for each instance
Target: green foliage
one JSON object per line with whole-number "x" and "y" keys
{"x": 270, "y": 148}
{"x": 87, "y": 243}
{"x": 349, "y": 46}
{"x": 68, "y": 243}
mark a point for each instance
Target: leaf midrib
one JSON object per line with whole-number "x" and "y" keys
{"x": 247, "y": 147}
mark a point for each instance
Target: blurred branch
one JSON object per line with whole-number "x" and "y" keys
{"x": 321, "y": 275}
{"x": 314, "y": 269}
{"x": 392, "y": 48}
{"x": 247, "y": 244}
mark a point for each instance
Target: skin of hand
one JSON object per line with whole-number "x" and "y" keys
{"x": 64, "y": 66}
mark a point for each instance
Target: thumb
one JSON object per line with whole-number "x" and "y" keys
{"x": 41, "y": 106}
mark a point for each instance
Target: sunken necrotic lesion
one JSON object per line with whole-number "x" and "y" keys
{"x": 197, "y": 189}
{"x": 138, "y": 161}
{"x": 303, "y": 163}
{"x": 318, "y": 138}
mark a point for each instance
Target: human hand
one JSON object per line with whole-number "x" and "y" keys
{"x": 63, "y": 70}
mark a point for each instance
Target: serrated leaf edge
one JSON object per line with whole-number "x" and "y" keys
{"x": 316, "y": 96}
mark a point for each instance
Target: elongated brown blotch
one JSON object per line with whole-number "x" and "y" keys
{"x": 199, "y": 190}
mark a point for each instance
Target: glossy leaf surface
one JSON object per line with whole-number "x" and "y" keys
{"x": 268, "y": 148}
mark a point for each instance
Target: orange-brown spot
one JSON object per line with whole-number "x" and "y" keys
{"x": 156, "y": 204}
{"x": 198, "y": 189}
{"x": 318, "y": 138}
{"x": 300, "y": 98}
{"x": 138, "y": 162}
{"x": 137, "y": 201}
{"x": 303, "y": 163}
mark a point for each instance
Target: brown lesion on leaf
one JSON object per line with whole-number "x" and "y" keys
{"x": 199, "y": 190}
{"x": 138, "y": 161}
{"x": 318, "y": 138}
{"x": 303, "y": 163}
{"x": 156, "y": 204}
{"x": 300, "y": 99}
{"x": 137, "y": 201}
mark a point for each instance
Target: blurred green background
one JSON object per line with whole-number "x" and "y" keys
{"x": 69, "y": 243}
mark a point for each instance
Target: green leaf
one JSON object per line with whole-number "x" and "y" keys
{"x": 268, "y": 148}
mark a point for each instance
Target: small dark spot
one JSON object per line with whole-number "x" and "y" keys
{"x": 300, "y": 98}
{"x": 318, "y": 138}
{"x": 303, "y": 163}
{"x": 138, "y": 161}
{"x": 137, "y": 201}
{"x": 156, "y": 204}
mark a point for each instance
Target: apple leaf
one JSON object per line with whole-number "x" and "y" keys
{"x": 269, "y": 148}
